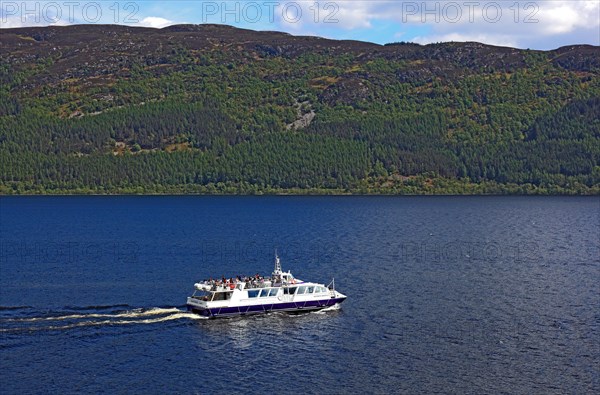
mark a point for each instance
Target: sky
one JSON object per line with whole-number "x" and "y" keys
{"x": 542, "y": 24}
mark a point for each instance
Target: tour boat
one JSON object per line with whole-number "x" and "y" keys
{"x": 255, "y": 294}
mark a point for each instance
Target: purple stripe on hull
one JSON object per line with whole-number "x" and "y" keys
{"x": 291, "y": 307}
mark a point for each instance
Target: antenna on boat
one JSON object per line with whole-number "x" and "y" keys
{"x": 277, "y": 264}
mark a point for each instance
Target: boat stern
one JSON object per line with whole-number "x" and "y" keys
{"x": 197, "y": 306}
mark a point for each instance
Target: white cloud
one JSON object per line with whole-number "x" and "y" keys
{"x": 297, "y": 16}
{"x": 14, "y": 22}
{"x": 565, "y": 16}
{"x": 155, "y": 21}
{"x": 29, "y": 13}
{"x": 537, "y": 24}
{"x": 541, "y": 24}
{"x": 51, "y": 13}
{"x": 561, "y": 20}
{"x": 355, "y": 14}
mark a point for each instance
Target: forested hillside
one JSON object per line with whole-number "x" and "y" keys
{"x": 215, "y": 109}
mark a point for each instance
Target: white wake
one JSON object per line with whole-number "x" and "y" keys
{"x": 129, "y": 314}
{"x": 131, "y": 317}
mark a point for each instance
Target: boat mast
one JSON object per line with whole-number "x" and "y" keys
{"x": 277, "y": 270}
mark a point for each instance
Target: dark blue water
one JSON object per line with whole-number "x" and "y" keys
{"x": 448, "y": 294}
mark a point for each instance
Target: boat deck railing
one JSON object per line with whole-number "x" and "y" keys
{"x": 264, "y": 282}
{"x": 216, "y": 285}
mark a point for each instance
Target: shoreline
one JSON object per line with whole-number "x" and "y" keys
{"x": 308, "y": 194}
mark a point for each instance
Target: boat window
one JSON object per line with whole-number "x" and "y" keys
{"x": 310, "y": 290}
{"x": 222, "y": 296}
{"x": 253, "y": 293}
{"x": 203, "y": 295}
{"x": 273, "y": 292}
{"x": 301, "y": 290}
{"x": 264, "y": 293}
{"x": 290, "y": 291}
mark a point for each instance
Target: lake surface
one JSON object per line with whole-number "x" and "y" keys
{"x": 445, "y": 294}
